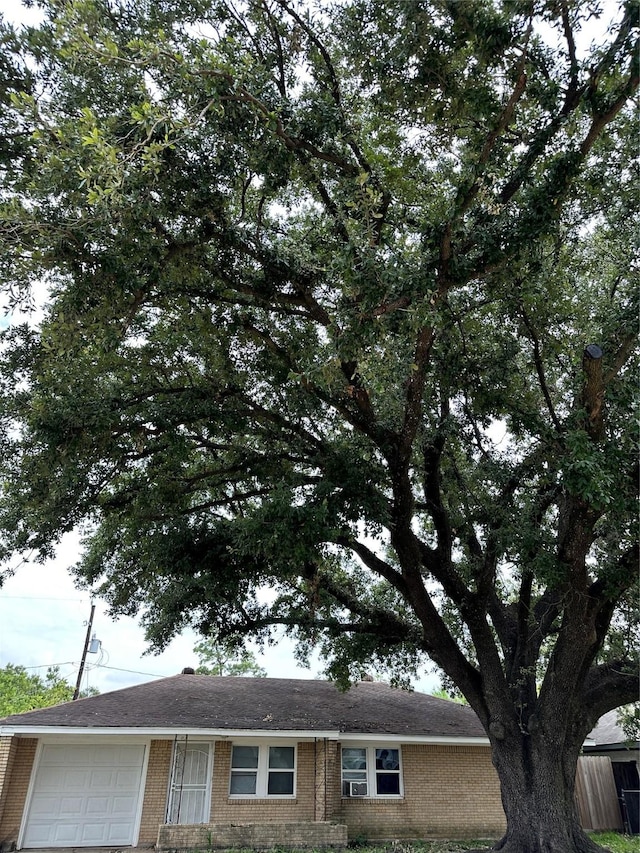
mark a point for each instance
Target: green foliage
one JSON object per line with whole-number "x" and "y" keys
{"x": 629, "y": 720}
{"x": 23, "y": 691}
{"x": 617, "y": 843}
{"x": 220, "y": 657}
{"x": 450, "y": 695}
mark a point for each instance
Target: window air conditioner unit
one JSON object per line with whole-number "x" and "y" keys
{"x": 358, "y": 789}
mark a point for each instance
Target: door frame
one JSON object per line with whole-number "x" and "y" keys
{"x": 186, "y": 741}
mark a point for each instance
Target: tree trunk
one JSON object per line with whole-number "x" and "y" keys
{"x": 538, "y": 783}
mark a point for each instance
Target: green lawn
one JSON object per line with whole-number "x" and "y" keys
{"x": 619, "y": 843}
{"x": 615, "y": 842}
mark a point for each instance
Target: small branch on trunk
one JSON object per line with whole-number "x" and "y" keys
{"x": 571, "y": 46}
{"x": 333, "y": 80}
{"x": 356, "y": 390}
{"x": 537, "y": 360}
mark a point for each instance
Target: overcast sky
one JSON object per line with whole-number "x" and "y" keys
{"x": 43, "y": 621}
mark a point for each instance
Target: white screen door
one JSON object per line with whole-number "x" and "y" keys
{"x": 189, "y": 795}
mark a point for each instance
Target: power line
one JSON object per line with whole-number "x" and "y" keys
{"x": 134, "y": 671}
{"x": 42, "y": 598}
{"x": 97, "y": 666}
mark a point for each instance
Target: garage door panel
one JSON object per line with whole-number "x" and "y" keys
{"x": 51, "y": 778}
{"x": 121, "y": 754}
{"x": 94, "y": 835}
{"x": 97, "y": 806}
{"x": 126, "y": 778}
{"x": 83, "y": 797}
{"x": 116, "y": 833}
{"x": 103, "y": 779}
{"x": 71, "y": 807}
{"x": 55, "y": 752}
{"x": 40, "y": 836}
{"x": 122, "y": 808}
{"x": 70, "y": 755}
{"x": 73, "y": 778}
{"x": 64, "y": 834}
{"x": 45, "y": 807}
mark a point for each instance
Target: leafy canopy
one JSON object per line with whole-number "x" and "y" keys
{"x": 319, "y": 285}
{"x": 220, "y": 657}
{"x": 23, "y": 691}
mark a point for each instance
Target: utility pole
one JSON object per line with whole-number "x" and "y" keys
{"x": 76, "y": 692}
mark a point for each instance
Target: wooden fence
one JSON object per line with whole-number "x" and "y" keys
{"x": 596, "y": 794}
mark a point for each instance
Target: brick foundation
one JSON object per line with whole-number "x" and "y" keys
{"x": 257, "y": 836}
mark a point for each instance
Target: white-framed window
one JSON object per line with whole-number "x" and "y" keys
{"x": 190, "y": 785}
{"x": 262, "y": 770}
{"x": 371, "y": 771}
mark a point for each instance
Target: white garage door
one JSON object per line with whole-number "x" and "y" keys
{"x": 85, "y": 796}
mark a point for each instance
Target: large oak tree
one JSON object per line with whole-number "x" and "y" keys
{"x": 340, "y": 304}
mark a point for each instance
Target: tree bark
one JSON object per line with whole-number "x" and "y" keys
{"x": 537, "y": 780}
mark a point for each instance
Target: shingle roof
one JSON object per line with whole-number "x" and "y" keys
{"x": 608, "y": 733}
{"x": 261, "y": 704}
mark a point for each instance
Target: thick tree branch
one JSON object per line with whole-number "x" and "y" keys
{"x": 432, "y": 455}
{"x": 376, "y": 620}
{"x": 625, "y": 350}
{"x": 610, "y": 685}
{"x": 415, "y": 388}
{"x": 571, "y": 46}
{"x": 593, "y": 391}
{"x": 374, "y": 563}
{"x": 601, "y": 120}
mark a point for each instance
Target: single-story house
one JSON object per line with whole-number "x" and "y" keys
{"x": 195, "y": 761}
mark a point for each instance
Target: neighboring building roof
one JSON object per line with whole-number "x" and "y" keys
{"x": 607, "y": 730}
{"x": 195, "y": 702}
{"x": 608, "y": 734}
